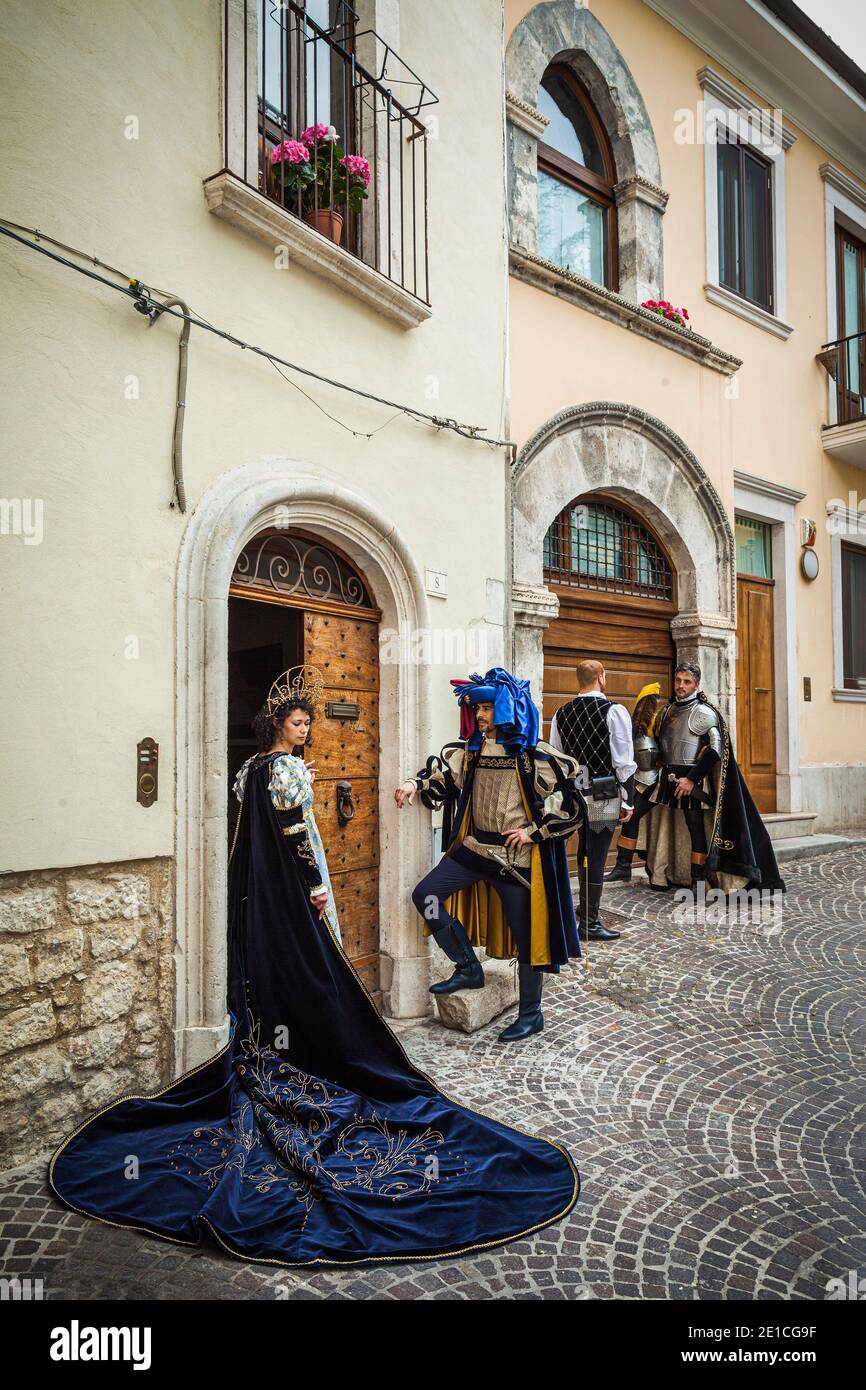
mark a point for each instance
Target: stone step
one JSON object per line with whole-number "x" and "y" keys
{"x": 403, "y": 1025}
{"x": 789, "y": 825}
{"x": 467, "y": 1010}
{"x": 805, "y": 846}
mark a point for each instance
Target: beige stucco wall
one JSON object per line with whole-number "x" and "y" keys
{"x": 766, "y": 420}
{"x": 90, "y": 638}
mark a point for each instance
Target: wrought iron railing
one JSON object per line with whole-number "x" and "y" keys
{"x": 311, "y": 120}
{"x": 844, "y": 360}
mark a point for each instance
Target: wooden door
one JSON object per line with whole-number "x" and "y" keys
{"x": 345, "y": 648}
{"x": 633, "y": 644}
{"x": 756, "y": 695}
{"x": 632, "y": 641}
{"x": 294, "y": 600}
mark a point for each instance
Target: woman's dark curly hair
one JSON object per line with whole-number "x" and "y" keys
{"x": 265, "y": 725}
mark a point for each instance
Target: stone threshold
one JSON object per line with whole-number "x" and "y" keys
{"x": 545, "y": 275}
{"x": 788, "y": 825}
{"x": 810, "y": 846}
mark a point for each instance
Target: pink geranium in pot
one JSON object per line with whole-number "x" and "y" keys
{"x": 666, "y": 310}
{"x": 340, "y": 180}
{"x": 291, "y": 173}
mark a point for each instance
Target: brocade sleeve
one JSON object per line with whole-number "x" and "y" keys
{"x": 289, "y": 781}
{"x": 562, "y": 811}
{"x": 301, "y": 850}
{"x": 441, "y": 778}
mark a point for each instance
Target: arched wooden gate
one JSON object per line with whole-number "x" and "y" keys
{"x": 617, "y": 594}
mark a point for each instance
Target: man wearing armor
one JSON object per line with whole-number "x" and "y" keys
{"x": 597, "y": 732}
{"x": 688, "y": 740}
{"x": 502, "y": 882}
{"x": 686, "y": 764}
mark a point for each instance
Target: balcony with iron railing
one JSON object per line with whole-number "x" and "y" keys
{"x": 844, "y": 361}
{"x": 325, "y": 149}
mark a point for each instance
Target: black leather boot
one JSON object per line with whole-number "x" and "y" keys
{"x": 529, "y": 1018}
{"x": 456, "y": 944}
{"x": 699, "y": 875}
{"x": 595, "y": 929}
{"x": 621, "y": 871}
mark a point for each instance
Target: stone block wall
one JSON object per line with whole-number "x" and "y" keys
{"x": 86, "y": 996}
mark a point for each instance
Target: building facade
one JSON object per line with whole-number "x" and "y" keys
{"x": 679, "y": 480}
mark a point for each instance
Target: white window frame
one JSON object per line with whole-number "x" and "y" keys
{"x": 728, "y": 109}
{"x": 849, "y": 526}
{"x": 844, "y": 202}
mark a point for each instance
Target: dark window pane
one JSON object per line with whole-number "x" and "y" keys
{"x": 757, "y": 236}
{"x": 851, "y": 314}
{"x": 729, "y": 216}
{"x": 854, "y": 616}
{"x": 744, "y": 214}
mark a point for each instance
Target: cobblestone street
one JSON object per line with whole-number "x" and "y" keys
{"x": 708, "y": 1080}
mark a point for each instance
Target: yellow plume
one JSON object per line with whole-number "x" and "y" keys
{"x": 652, "y": 689}
{"x": 645, "y": 709}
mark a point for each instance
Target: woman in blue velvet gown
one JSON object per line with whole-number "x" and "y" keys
{"x": 310, "y": 1138}
{"x": 291, "y": 787}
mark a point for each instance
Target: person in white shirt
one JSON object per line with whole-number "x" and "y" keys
{"x": 597, "y": 732}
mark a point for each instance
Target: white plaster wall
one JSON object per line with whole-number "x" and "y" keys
{"x": 89, "y": 637}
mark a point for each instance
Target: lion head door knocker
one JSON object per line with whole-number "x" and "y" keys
{"x": 345, "y": 805}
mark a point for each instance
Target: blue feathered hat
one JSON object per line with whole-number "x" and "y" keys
{"x": 514, "y": 712}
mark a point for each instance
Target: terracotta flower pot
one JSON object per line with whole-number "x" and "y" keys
{"x": 329, "y": 223}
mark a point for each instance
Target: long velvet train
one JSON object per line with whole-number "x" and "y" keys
{"x": 310, "y": 1138}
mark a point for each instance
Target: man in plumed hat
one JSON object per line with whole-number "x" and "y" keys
{"x": 503, "y": 883}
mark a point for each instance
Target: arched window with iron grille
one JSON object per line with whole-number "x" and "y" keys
{"x": 597, "y": 544}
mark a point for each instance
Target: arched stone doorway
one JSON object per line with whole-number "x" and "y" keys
{"x": 275, "y": 494}
{"x": 630, "y": 456}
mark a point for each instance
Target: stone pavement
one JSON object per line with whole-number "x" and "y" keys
{"x": 708, "y": 1079}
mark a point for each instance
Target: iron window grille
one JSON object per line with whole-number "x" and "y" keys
{"x": 597, "y": 545}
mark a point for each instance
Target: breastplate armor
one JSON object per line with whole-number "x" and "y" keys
{"x": 679, "y": 746}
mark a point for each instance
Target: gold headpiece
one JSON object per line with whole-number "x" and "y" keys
{"x": 298, "y": 683}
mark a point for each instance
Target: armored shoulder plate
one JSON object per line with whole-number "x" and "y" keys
{"x": 702, "y": 718}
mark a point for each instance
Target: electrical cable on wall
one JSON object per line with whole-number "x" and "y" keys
{"x": 151, "y": 308}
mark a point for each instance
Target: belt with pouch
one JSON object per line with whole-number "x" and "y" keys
{"x": 603, "y": 788}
